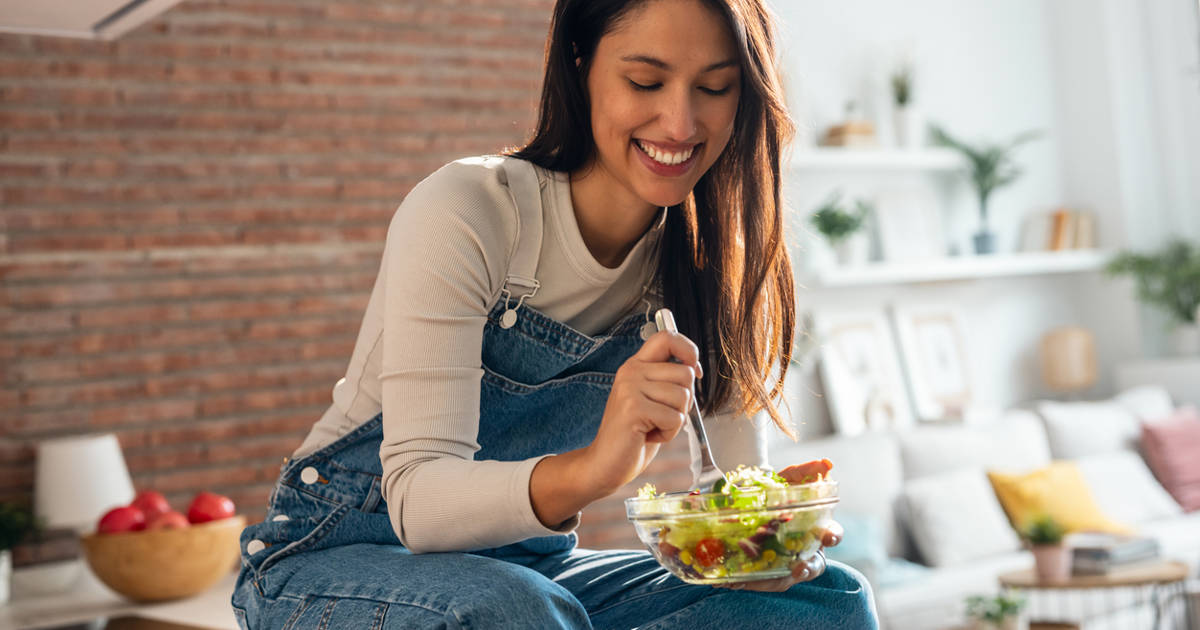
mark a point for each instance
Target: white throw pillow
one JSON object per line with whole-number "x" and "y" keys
{"x": 1124, "y": 487}
{"x": 955, "y": 518}
{"x": 1150, "y": 403}
{"x": 1078, "y": 429}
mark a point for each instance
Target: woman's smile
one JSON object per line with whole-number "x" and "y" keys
{"x": 665, "y": 162}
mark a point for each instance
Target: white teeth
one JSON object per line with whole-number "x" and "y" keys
{"x": 663, "y": 157}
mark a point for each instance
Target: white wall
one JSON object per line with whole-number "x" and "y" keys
{"x": 1118, "y": 143}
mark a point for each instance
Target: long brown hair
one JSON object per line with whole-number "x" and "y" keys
{"x": 723, "y": 263}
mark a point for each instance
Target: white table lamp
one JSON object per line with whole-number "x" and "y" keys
{"x": 78, "y": 479}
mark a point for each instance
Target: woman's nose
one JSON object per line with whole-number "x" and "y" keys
{"x": 679, "y": 118}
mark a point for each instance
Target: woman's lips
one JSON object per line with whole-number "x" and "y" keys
{"x": 668, "y": 170}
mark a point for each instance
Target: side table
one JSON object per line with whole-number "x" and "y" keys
{"x": 1158, "y": 584}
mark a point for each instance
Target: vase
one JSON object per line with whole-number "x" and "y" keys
{"x": 852, "y": 250}
{"x": 906, "y": 123}
{"x": 985, "y": 242}
{"x": 1052, "y": 562}
{"x": 5, "y": 575}
{"x": 1185, "y": 340}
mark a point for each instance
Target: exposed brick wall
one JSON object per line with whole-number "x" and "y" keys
{"x": 193, "y": 218}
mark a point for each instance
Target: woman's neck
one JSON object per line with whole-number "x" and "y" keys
{"x": 611, "y": 217}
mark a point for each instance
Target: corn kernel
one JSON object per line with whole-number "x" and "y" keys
{"x": 769, "y": 556}
{"x": 720, "y": 571}
{"x": 685, "y": 556}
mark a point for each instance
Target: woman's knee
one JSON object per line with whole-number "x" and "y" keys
{"x": 850, "y": 592}
{"x": 518, "y": 597}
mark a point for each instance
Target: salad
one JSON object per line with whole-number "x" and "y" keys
{"x": 752, "y": 524}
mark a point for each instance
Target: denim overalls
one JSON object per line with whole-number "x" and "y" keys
{"x": 326, "y": 555}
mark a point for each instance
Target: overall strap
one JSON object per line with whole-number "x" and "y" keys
{"x": 526, "y": 190}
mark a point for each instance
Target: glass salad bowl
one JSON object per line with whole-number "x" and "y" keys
{"x": 733, "y": 534}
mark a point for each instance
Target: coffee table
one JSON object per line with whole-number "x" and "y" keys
{"x": 1158, "y": 583}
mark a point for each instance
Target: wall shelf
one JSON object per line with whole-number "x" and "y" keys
{"x": 824, "y": 159}
{"x": 958, "y": 268}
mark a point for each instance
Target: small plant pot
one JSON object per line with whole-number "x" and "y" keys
{"x": 852, "y": 250}
{"x": 1052, "y": 563}
{"x": 985, "y": 242}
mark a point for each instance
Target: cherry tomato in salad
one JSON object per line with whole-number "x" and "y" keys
{"x": 709, "y": 551}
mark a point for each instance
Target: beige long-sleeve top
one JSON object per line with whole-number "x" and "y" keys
{"x": 417, "y": 356}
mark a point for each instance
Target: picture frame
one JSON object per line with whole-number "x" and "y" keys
{"x": 859, "y": 368}
{"x": 934, "y": 350}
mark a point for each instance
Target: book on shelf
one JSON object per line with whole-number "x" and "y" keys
{"x": 1095, "y": 553}
{"x": 1059, "y": 230}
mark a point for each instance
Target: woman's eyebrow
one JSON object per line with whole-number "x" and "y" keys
{"x": 659, "y": 63}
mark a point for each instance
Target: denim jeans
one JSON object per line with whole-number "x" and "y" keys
{"x": 326, "y": 555}
{"x": 329, "y": 559}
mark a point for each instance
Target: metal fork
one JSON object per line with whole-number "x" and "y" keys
{"x": 708, "y": 473}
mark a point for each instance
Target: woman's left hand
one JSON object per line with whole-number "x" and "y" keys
{"x": 801, "y": 571}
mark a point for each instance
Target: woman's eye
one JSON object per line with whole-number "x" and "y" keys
{"x": 715, "y": 92}
{"x": 644, "y": 88}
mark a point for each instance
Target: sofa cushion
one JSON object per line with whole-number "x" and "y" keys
{"x": 1058, "y": 490}
{"x": 1172, "y": 447}
{"x": 955, "y": 518}
{"x": 1178, "y": 537}
{"x": 862, "y": 546}
{"x": 1122, "y": 485}
{"x": 1148, "y": 402}
{"x": 934, "y": 601}
{"x": 1016, "y": 442}
{"x": 867, "y": 469}
{"x": 1076, "y": 429}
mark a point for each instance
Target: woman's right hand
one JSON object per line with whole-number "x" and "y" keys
{"x": 647, "y": 406}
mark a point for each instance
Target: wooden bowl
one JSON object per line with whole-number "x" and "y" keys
{"x": 163, "y": 564}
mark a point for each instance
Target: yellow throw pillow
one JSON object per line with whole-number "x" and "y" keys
{"x": 1057, "y": 490}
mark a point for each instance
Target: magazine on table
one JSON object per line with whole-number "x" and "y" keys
{"x": 1099, "y": 553}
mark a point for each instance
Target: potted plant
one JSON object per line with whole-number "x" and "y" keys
{"x": 1169, "y": 280}
{"x": 991, "y": 167}
{"x": 15, "y": 524}
{"x": 999, "y": 612}
{"x": 904, "y": 115}
{"x": 1051, "y": 557}
{"x": 839, "y": 227}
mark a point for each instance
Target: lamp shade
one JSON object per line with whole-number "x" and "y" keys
{"x": 78, "y": 479}
{"x": 1068, "y": 359}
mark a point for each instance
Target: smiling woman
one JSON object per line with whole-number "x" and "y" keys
{"x": 504, "y": 377}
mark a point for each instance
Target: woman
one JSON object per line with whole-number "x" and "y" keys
{"x": 504, "y": 377}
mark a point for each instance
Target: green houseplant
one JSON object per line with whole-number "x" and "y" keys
{"x": 15, "y": 524}
{"x": 1051, "y": 557}
{"x": 839, "y": 225}
{"x": 991, "y": 167}
{"x": 1169, "y": 280}
{"x": 904, "y": 114}
{"x": 997, "y": 612}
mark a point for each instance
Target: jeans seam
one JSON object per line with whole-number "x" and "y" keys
{"x": 595, "y": 379}
{"x": 380, "y": 612}
{"x": 327, "y": 613}
{"x": 291, "y": 622}
{"x": 637, "y": 597}
{"x": 306, "y": 542}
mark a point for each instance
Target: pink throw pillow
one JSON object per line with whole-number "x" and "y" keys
{"x": 1172, "y": 449}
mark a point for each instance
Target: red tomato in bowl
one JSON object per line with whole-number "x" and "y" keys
{"x": 709, "y": 551}
{"x": 167, "y": 520}
{"x": 151, "y": 504}
{"x": 208, "y": 506}
{"x": 126, "y": 518}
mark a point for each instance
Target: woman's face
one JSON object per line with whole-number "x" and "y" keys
{"x": 664, "y": 89}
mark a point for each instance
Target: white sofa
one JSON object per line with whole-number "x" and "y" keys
{"x": 926, "y": 490}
